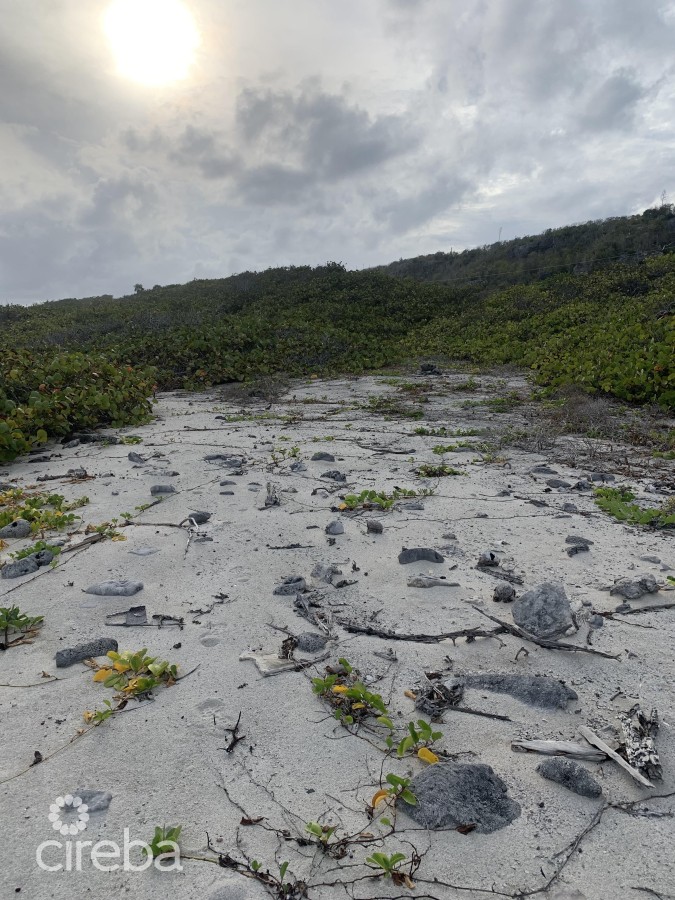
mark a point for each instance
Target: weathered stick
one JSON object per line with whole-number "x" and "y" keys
{"x": 592, "y": 738}
{"x": 559, "y": 748}
{"x": 471, "y": 633}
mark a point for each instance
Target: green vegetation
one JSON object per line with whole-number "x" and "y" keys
{"x": 429, "y": 471}
{"x": 16, "y": 627}
{"x": 45, "y": 512}
{"x": 608, "y": 326}
{"x": 617, "y": 502}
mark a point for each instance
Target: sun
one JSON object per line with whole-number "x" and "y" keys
{"x": 153, "y": 41}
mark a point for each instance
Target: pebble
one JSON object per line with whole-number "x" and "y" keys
{"x": 570, "y": 508}
{"x": 19, "y": 568}
{"x": 651, "y": 559}
{"x": 335, "y": 528}
{"x": 571, "y": 775}
{"x": 96, "y": 801}
{"x": 291, "y": 585}
{"x": 309, "y": 642}
{"x": 543, "y": 470}
{"x": 334, "y": 475}
{"x": 544, "y": 611}
{"x": 162, "y": 489}
{"x": 488, "y": 558}
{"x": 504, "y": 593}
{"x": 374, "y": 527}
{"x": 121, "y": 588}
{"x": 634, "y": 588}
{"x": 321, "y": 456}
{"x": 596, "y": 621}
{"x": 558, "y": 483}
{"x": 429, "y": 581}
{"x": 419, "y": 554}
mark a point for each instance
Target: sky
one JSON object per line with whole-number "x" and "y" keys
{"x": 291, "y": 133}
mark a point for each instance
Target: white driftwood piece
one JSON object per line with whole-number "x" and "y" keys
{"x": 559, "y": 748}
{"x": 601, "y": 745}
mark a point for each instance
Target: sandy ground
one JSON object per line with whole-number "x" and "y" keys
{"x": 163, "y": 760}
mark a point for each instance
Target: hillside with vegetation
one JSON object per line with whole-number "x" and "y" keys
{"x": 78, "y": 364}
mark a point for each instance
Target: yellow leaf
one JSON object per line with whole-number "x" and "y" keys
{"x": 342, "y": 506}
{"x": 88, "y": 716}
{"x": 102, "y": 674}
{"x": 358, "y": 706}
{"x": 426, "y": 754}
{"x": 340, "y": 689}
{"x": 410, "y": 695}
{"x": 121, "y": 667}
{"x": 119, "y": 537}
{"x": 378, "y": 798}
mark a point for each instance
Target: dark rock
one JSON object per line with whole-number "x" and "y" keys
{"x": 225, "y": 459}
{"x": 74, "y": 655}
{"x": 199, "y": 517}
{"x": 136, "y": 458}
{"x": 578, "y": 540}
{"x": 543, "y": 470}
{"x": 19, "y": 528}
{"x": 43, "y": 557}
{"x": 77, "y": 473}
{"x": 571, "y": 775}
{"x": 601, "y": 476}
{"x": 451, "y": 794}
{"x": 504, "y": 593}
{"x": 544, "y": 611}
{"x": 309, "y": 642}
{"x": 325, "y": 571}
{"x": 596, "y": 621}
{"x": 419, "y": 554}
{"x": 429, "y": 369}
{"x": 334, "y": 475}
{"x": 162, "y": 489}
{"x": 535, "y": 690}
{"x": 577, "y": 548}
{"x": 411, "y": 504}
{"x": 623, "y": 608}
{"x": 121, "y": 588}
{"x": 651, "y": 559}
{"x": 335, "y": 528}
{"x": 72, "y": 444}
{"x": 581, "y": 485}
{"x": 298, "y": 466}
{"x": 570, "y": 508}
{"x": 19, "y": 568}
{"x": 321, "y": 456}
{"x": 7, "y": 486}
{"x": 374, "y": 527}
{"x": 539, "y": 503}
{"x": 293, "y": 584}
{"x": 634, "y": 588}
{"x": 557, "y": 483}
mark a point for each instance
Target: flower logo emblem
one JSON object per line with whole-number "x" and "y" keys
{"x": 64, "y": 804}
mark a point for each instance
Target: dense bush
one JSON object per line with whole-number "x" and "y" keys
{"x": 45, "y": 395}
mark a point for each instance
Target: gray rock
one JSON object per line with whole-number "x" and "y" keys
{"x": 144, "y": 551}
{"x": 535, "y": 690}
{"x": 412, "y": 505}
{"x": 321, "y": 456}
{"x": 429, "y": 581}
{"x": 570, "y": 508}
{"x": 581, "y": 485}
{"x": 136, "y": 458}
{"x": 578, "y": 548}
{"x": 225, "y": 459}
{"x": 7, "y": 486}
{"x": 162, "y": 489}
{"x": 451, "y": 794}
{"x": 623, "y": 608}
{"x": 429, "y": 369}
{"x": 578, "y": 540}
{"x": 488, "y": 558}
{"x": 19, "y": 568}
{"x": 325, "y": 571}
{"x": 374, "y": 527}
{"x": 601, "y": 476}
{"x": 543, "y": 470}
{"x": 334, "y": 475}
{"x": 97, "y": 801}
{"x": 419, "y": 554}
{"x": 77, "y": 473}
{"x": 596, "y": 621}
{"x": 228, "y": 481}
{"x": 291, "y": 585}
{"x": 634, "y": 588}
{"x": 19, "y": 528}
{"x": 72, "y": 655}
{"x": 557, "y": 483}
{"x": 122, "y": 588}
{"x": 335, "y": 528}
{"x": 72, "y": 444}
{"x": 43, "y": 557}
{"x": 544, "y": 611}
{"x": 651, "y": 559}
{"x": 298, "y": 466}
{"x": 571, "y": 775}
{"x": 199, "y": 517}
{"x": 504, "y": 593}
{"x": 309, "y": 642}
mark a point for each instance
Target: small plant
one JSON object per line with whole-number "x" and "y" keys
{"x": 418, "y": 740}
{"x": 45, "y": 512}
{"x": 135, "y": 674}
{"x": 131, "y": 439}
{"x": 322, "y": 833}
{"x": 35, "y": 548}
{"x": 98, "y": 716}
{"x": 349, "y": 697}
{"x": 369, "y": 499}
{"x": 617, "y": 502}
{"x": 164, "y": 843}
{"x": 13, "y": 622}
{"x": 108, "y": 529}
{"x": 389, "y": 866}
{"x": 441, "y": 449}
{"x": 447, "y": 432}
{"x": 429, "y": 471}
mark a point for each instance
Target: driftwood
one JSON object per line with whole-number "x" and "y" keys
{"x": 601, "y": 745}
{"x": 639, "y": 741}
{"x": 496, "y": 572}
{"x": 559, "y": 748}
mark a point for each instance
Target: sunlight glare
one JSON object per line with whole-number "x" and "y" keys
{"x": 153, "y": 41}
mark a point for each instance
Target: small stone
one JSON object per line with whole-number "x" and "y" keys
{"x": 451, "y": 794}
{"x": 581, "y": 485}
{"x": 557, "y": 483}
{"x": 374, "y": 527}
{"x": 199, "y": 517}
{"x": 634, "y": 588}
{"x": 570, "y": 508}
{"x": 449, "y": 536}
{"x": 335, "y": 528}
{"x": 623, "y": 608}
{"x": 227, "y": 481}
{"x": 136, "y": 458}
{"x": 577, "y": 548}
{"x": 419, "y": 554}
{"x": 225, "y": 459}
{"x": 309, "y": 642}
{"x": 535, "y": 690}
{"x": 543, "y": 470}
{"x": 72, "y": 444}
{"x": 322, "y": 456}
{"x": 334, "y": 475}
{"x": 411, "y": 505}
{"x": 578, "y": 540}
{"x": 121, "y": 588}
{"x": 291, "y": 585}
{"x": 19, "y": 568}
{"x": 651, "y": 559}
{"x": 429, "y": 369}
{"x": 19, "y": 528}
{"x": 488, "y": 558}
{"x": 596, "y": 621}
{"x": 544, "y": 611}
{"x": 571, "y": 775}
{"x": 43, "y": 557}
{"x": 601, "y": 476}
{"x": 162, "y": 489}
{"x": 482, "y": 515}
{"x": 77, "y": 473}
{"x": 96, "y": 801}
{"x": 72, "y": 655}
{"x": 504, "y": 593}
{"x": 298, "y": 466}
{"x": 429, "y": 581}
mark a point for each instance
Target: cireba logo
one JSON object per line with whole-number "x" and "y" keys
{"x": 70, "y": 816}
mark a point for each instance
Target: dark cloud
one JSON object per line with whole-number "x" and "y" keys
{"x": 614, "y": 103}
